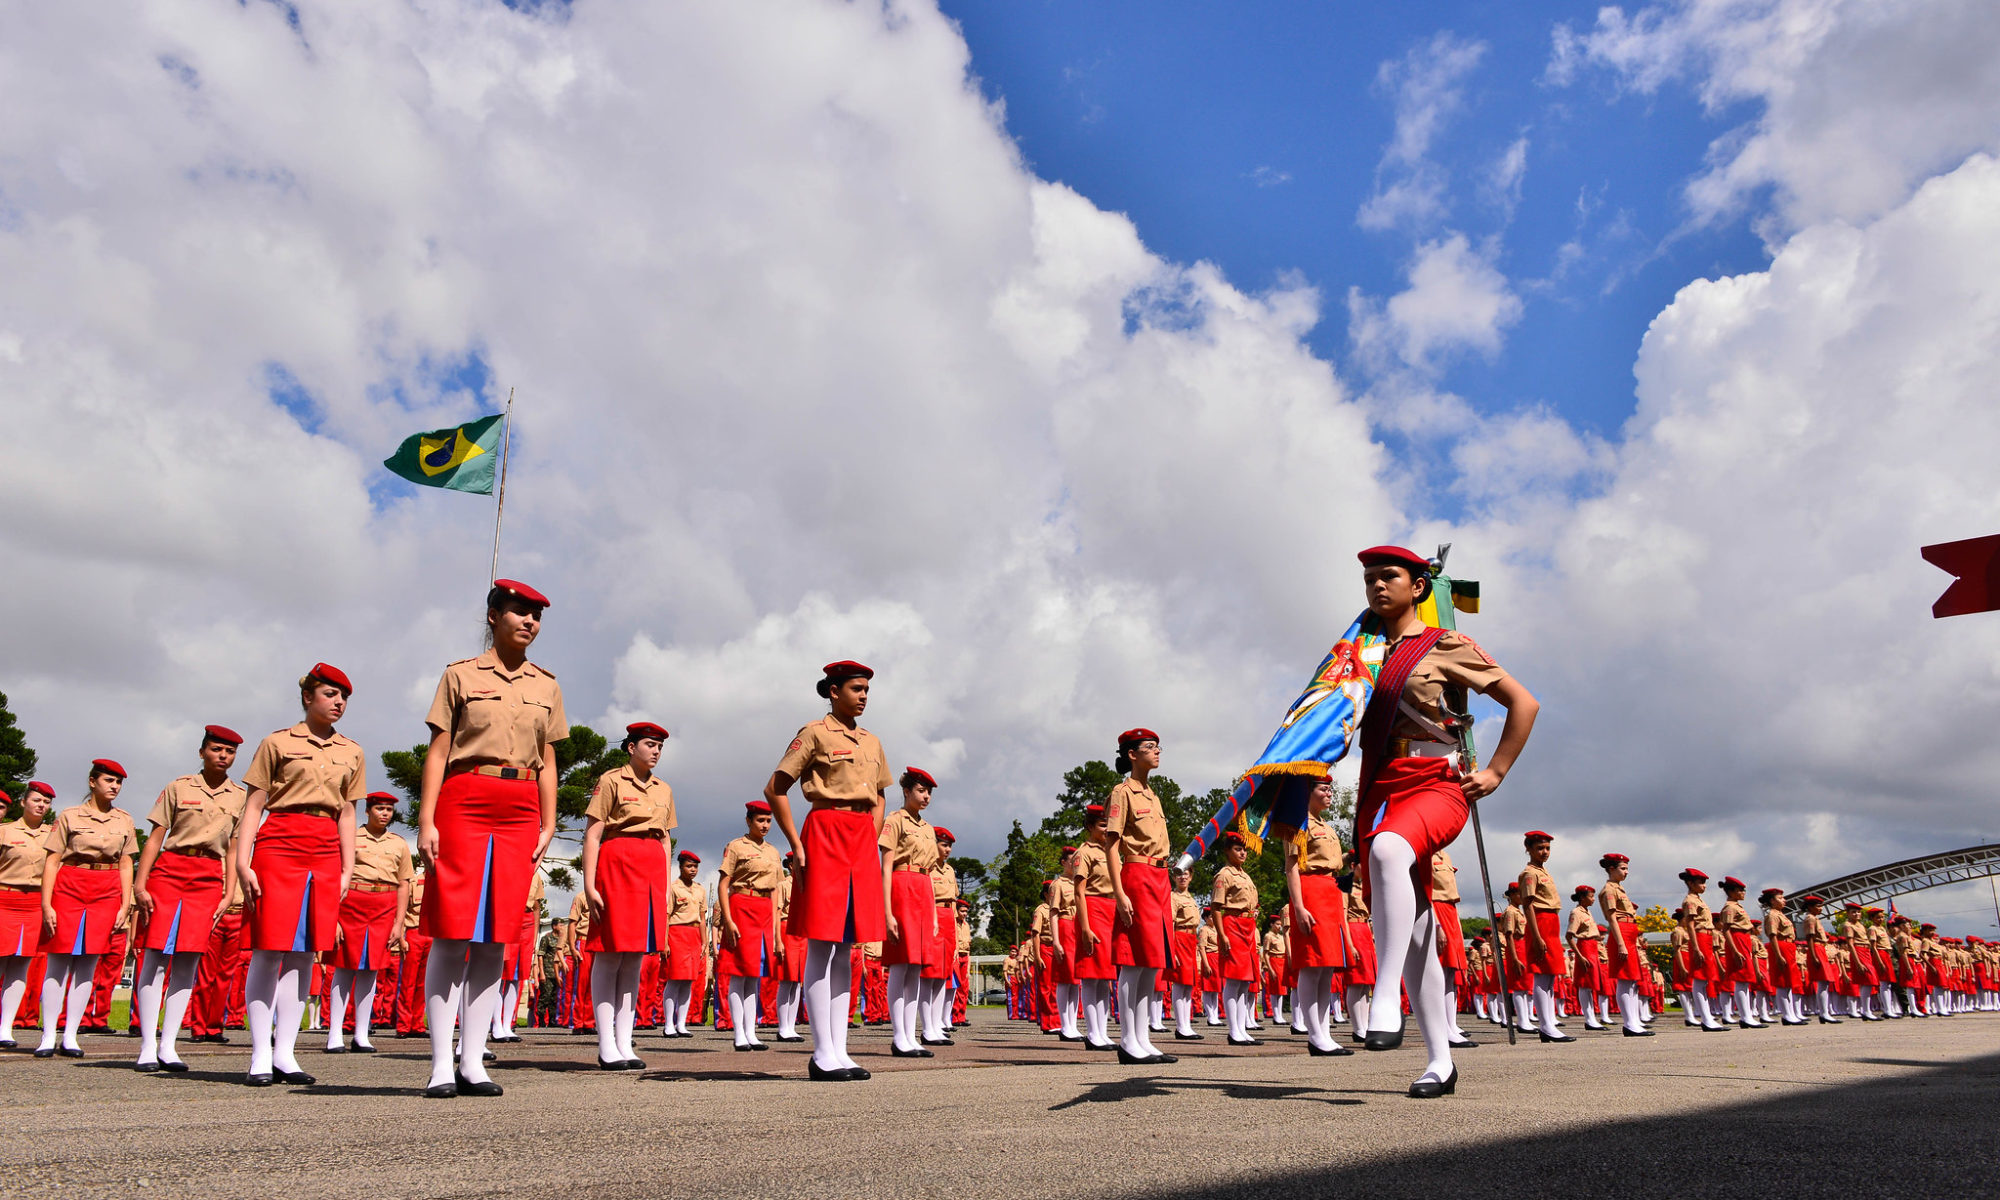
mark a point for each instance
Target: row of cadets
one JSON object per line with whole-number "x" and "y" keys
{"x": 86, "y": 896}
{"x": 687, "y": 956}
{"x": 1134, "y": 837}
{"x": 627, "y": 836}
{"x": 910, "y": 856}
{"x": 936, "y": 985}
{"x": 1320, "y": 943}
{"x": 370, "y": 935}
{"x": 747, "y": 915}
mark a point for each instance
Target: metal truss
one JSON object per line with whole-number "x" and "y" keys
{"x": 1911, "y": 875}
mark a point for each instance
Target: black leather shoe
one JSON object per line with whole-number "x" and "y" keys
{"x": 358, "y": 1048}
{"x": 1162, "y": 1060}
{"x": 1560, "y": 1037}
{"x": 257, "y": 1079}
{"x": 7, "y": 1043}
{"x": 1067, "y": 1038}
{"x": 794, "y": 1038}
{"x": 1383, "y": 1039}
{"x": 468, "y": 1088}
{"x": 295, "y": 1078}
{"x": 1186, "y": 1037}
{"x": 1245, "y": 1042}
{"x": 175, "y": 1067}
{"x": 1638, "y": 1033}
{"x": 817, "y": 1074}
{"x": 635, "y": 1064}
{"x": 615, "y": 1064}
{"x": 66, "y": 1052}
{"x": 1467, "y": 1044}
{"x": 151, "y": 1068}
{"x": 1431, "y": 1089}
{"x": 919, "y": 1052}
{"x": 938, "y": 1041}
{"x": 1100, "y": 1045}
{"x": 1131, "y": 1060}
{"x": 1338, "y": 1051}
{"x": 441, "y": 1091}
{"x": 334, "y": 1050}
{"x": 49, "y": 1053}
{"x": 487, "y": 1056}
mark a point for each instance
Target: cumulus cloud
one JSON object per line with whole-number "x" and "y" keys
{"x": 1455, "y": 300}
{"x": 1427, "y": 88}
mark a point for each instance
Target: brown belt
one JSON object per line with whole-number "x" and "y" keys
{"x": 529, "y": 773}
{"x": 1231, "y": 912}
{"x": 743, "y": 891}
{"x": 1142, "y": 860}
{"x": 860, "y": 806}
{"x": 211, "y": 855}
{"x": 90, "y": 866}
{"x": 614, "y": 835}
{"x": 373, "y": 887}
{"x": 1318, "y": 871}
{"x": 20, "y": 887}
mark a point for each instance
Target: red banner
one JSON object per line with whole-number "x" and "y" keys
{"x": 1975, "y": 562}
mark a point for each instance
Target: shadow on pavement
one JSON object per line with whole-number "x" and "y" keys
{"x": 1149, "y": 1086}
{"x": 1930, "y": 1133}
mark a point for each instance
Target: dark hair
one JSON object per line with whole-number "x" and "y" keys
{"x": 911, "y": 779}
{"x": 1607, "y": 862}
{"x": 1123, "y": 765}
{"x": 208, "y": 738}
{"x": 96, "y": 770}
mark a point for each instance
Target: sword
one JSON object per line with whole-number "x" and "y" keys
{"x": 1460, "y": 725}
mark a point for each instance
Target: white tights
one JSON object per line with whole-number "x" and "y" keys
{"x": 274, "y": 991}
{"x": 1628, "y": 1005}
{"x": 829, "y": 984}
{"x": 903, "y": 988}
{"x": 679, "y": 998}
{"x": 1097, "y": 1011}
{"x": 13, "y": 989}
{"x": 1406, "y": 953}
{"x": 175, "y": 979}
{"x": 361, "y": 985}
{"x": 1315, "y": 1002}
{"x": 1545, "y": 1004}
{"x": 788, "y": 1009}
{"x": 934, "y": 1000}
{"x": 1236, "y": 1008}
{"x": 1183, "y": 995}
{"x": 1138, "y": 1009}
{"x": 614, "y": 999}
{"x": 1066, "y": 1009}
{"x": 461, "y": 974}
{"x": 505, "y": 1011}
{"x": 68, "y": 978}
{"x": 1358, "y": 999}
{"x": 745, "y": 1004}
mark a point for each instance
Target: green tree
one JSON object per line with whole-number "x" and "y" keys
{"x": 1083, "y": 786}
{"x": 405, "y": 769}
{"x": 17, "y": 760}
{"x": 1015, "y": 881}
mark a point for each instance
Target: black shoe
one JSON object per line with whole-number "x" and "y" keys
{"x": 1830, "y": 1021}
{"x": 1383, "y": 1039}
{"x": 151, "y": 1068}
{"x": 1357, "y": 1038}
{"x": 66, "y": 1052}
{"x": 1431, "y": 1089}
{"x": 944, "y": 1041}
{"x": 487, "y": 1056}
{"x": 176, "y": 1067}
{"x": 441, "y": 1091}
{"x": 468, "y": 1088}
{"x": 615, "y": 1064}
{"x": 1186, "y": 1037}
{"x": 1560, "y": 1037}
{"x": 838, "y": 1075}
{"x": 1245, "y": 1042}
{"x": 1067, "y": 1038}
{"x": 1162, "y": 1060}
{"x": 334, "y": 1050}
{"x": 1338, "y": 1051}
{"x": 295, "y": 1078}
{"x": 7, "y": 1043}
{"x": 1467, "y": 1044}
{"x": 1131, "y": 1060}
{"x": 635, "y": 1064}
{"x": 258, "y": 1079}
{"x": 794, "y": 1038}
{"x": 358, "y": 1048}
{"x": 919, "y": 1052}
{"x": 401, "y": 1036}
{"x": 1639, "y": 1033}
{"x": 49, "y": 1053}
{"x": 1102, "y": 1046}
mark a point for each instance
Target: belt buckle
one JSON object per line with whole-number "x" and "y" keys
{"x": 510, "y": 772}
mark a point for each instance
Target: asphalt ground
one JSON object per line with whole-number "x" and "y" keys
{"x": 1905, "y": 1109}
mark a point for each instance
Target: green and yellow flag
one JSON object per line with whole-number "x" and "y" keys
{"x": 463, "y": 458}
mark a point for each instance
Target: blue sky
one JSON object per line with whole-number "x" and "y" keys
{"x": 1250, "y": 136}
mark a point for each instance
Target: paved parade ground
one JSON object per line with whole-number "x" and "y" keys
{"x": 1900, "y": 1109}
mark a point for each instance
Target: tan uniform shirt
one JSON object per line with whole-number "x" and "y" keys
{"x": 1205, "y": 940}
{"x": 1734, "y": 919}
{"x": 1814, "y": 931}
{"x": 631, "y": 807}
{"x": 944, "y": 882}
{"x": 1582, "y": 926}
{"x": 838, "y": 766}
{"x": 84, "y": 835}
{"x": 964, "y": 935}
{"x": 1187, "y": 914}
{"x": 380, "y": 861}
{"x": 579, "y": 922}
{"x": 1615, "y": 901}
{"x": 1456, "y": 660}
{"x": 1133, "y": 813}
{"x": 751, "y": 865}
{"x": 1538, "y": 890}
{"x": 497, "y": 719}
{"x": 1092, "y": 871}
{"x": 299, "y": 773}
{"x": 1878, "y": 937}
{"x": 690, "y": 904}
{"x": 1777, "y": 924}
{"x": 1357, "y": 904}
{"x": 1322, "y": 856}
{"x": 1444, "y": 879}
{"x": 1064, "y": 900}
{"x": 21, "y": 853}
{"x": 1514, "y": 922}
{"x": 416, "y": 909}
{"x": 198, "y": 819}
{"x": 1696, "y": 914}
{"x": 908, "y": 842}
{"x": 1043, "y": 926}
{"x": 1234, "y": 893}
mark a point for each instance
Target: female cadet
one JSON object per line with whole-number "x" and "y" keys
{"x": 1232, "y": 912}
{"x": 179, "y": 889}
{"x": 295, "y": 855}
{"x": 1136, "y": 846}
{"x": 1414, "y": 797}
{"x": 371, "y": 923}
{"x": 934, "y": 988}
{"x": 1185, "y": 974}
{"x": 844, "y": 775}
{"x": 486, "y": 814}
{"x": 1090, "y": 875}
{"x": 1785, "y": 979}
{"x": 86, "y": 896}
{"x": 1542, "y": 906}
{"x": 750, "y": 938}
{"x": 791, "y": 962}
{"x": 1628, "y": 954}
{"x": 625, "y": 844}
{"x": 1703, "y": 960}
{"x": 1450, "y": 938}
{"x": 24, "y": 847}
{"x": 1358, "y": 981}
{"x": 1739, "y": 959}
{"x": 909, "y": 853}
{"x": 1584, "y": 942}
{"x": 686, "y": 961}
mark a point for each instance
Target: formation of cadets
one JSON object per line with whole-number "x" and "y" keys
{"x": 285, "y": 900}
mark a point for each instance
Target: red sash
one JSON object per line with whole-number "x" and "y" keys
{"x": 1380, "y": 715}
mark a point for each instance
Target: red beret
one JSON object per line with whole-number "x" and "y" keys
{"x": 964, "y": 903}
{"x": 944, "y": 835}
{"x": 1696, "y": 873}
{"x": 922, "y": 775}
{"x": 1583, "y": 887}
{"x": 1536, "y": 835}
{"x": 758, "y": 806}
{"x": 332, "y": 675}
{"x": 38, "y": 786}
{"x": 1927, "y": 927}
{"x": 1614, "y": 857}
{"x": 1133, "y": 737}
{"x": 847, "y": 668}
{"x": 384, "y": 797}
{"x": 1092, "y": 811}
{"x": 1812, "y": 898}
{"x": 108, "y": 765}
{"x": 223, "y": 734}
{"x": 4, "y": 797}
{"x": 523, "y": 591}
{"x": 690, "y": 856}
{"x": 1072, "y": 849}
{"x": 645, "y": 729}
{"x": 1851, "y": 906}
{"x": 1232, "y": 838}
{"x": 1874, "y": 912}
{"x": 1514, "y": 886}
{"x": 1730, "y": 881}
{"x": 1396, "y": 556}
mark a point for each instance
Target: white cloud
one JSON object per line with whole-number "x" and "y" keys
{"x": 1427, "y": 89}
{"x": 1455, "y": 300}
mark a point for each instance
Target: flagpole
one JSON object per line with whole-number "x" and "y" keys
{"x": 500, "y": 504}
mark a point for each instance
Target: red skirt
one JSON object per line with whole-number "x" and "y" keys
{"x": 751, "y": 956}
{"x": 1628, "y": 965}
{"x": 21, "y": 923}
{"x": 632, "y": 878}
{"x": 1784, "y": 975}
{"x": 1279, "y": 980}
{"x": 1096, "y": 963}
{"x": 793, "y": 968}
{"x": 487, "y": 830}
{"x": 297, "y": 862}
{"x": 1818, "y": 968}
{"x": 1450, "y": 935}
{"x": 1739, "y": 961}
{"x": 1589, "y": 966}
{"x": 1864, "y": 967}
{"x": 944, "y": 949}
{"x": 1322, "y": 945}
{"x": 1065, "y": 968}
{"x": 1239, "y": 956}
{"x": 1187, "y": 968}
{"x": 87, "y": 905}
{"x": 837, "y": 896}
{"x": 1418, "y": 799}
{"x": 367, "y": 925}
{"x": 1361, "y": 968}
{"x": 684, "y": 954}
{"x": 1548, "y": 960}
{"x": 186, "y": 891}
{"x": 916, "y": 938}
{"x": 1148, "y": 939}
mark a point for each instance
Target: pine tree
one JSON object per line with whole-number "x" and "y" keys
{"x": 17, "y": 759}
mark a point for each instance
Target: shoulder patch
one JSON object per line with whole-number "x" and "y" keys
{"x": 544, "y": 670}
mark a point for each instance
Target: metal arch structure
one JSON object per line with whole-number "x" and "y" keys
{"x": 1877, "y": 884}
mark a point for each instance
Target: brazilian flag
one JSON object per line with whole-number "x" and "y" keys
{"x": 462, "y": 458}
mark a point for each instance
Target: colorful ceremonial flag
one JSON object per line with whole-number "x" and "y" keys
{"x": 462, "y": 458}
{"x": 1976, "y": 564}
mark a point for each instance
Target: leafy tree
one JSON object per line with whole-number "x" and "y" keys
{"x": 1015, "y": 881}
{"x": 405, "y": 769}
{"x": 972, "y": 888}
{"x": 584, "y": 756}
{"x": 17, "y": 760}
{"x": 1656, "y": 920}
{"x": 561, "y": 879}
